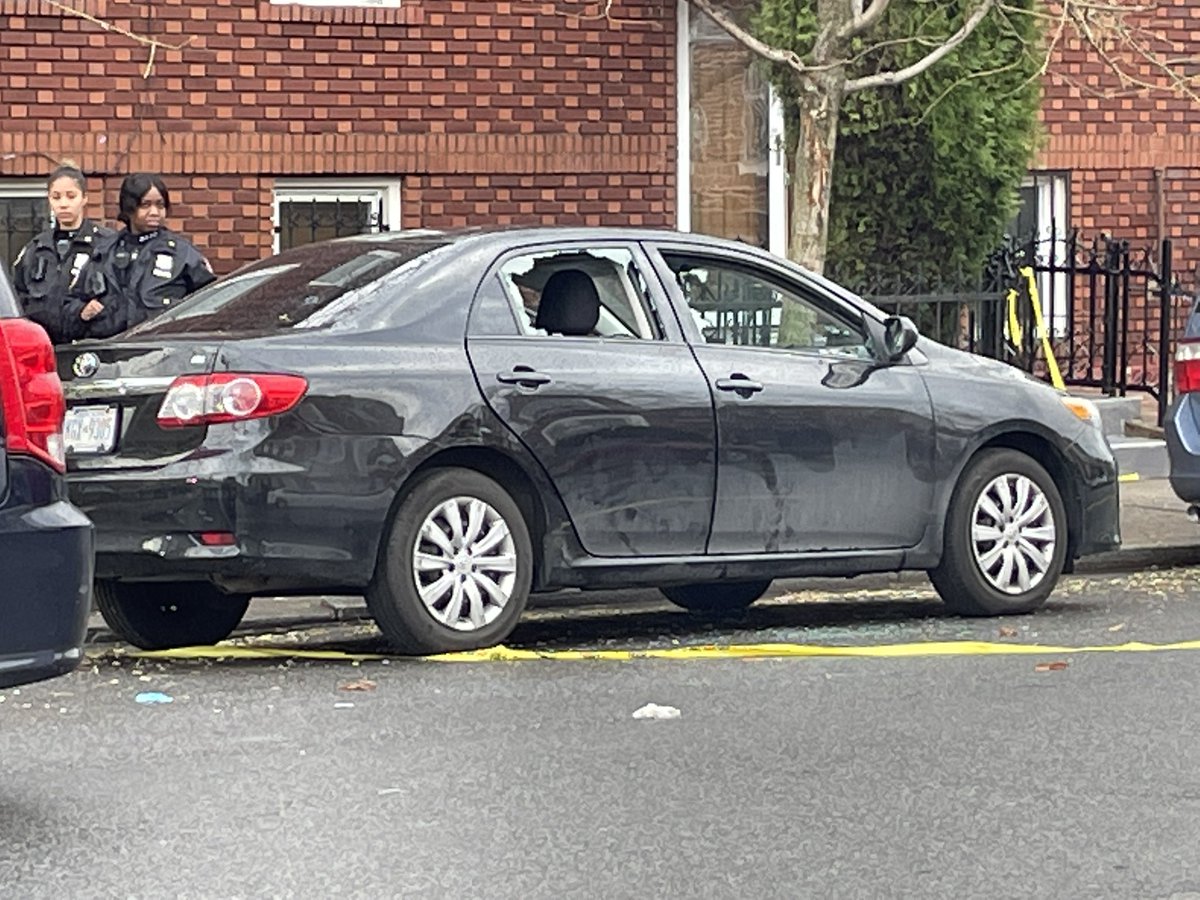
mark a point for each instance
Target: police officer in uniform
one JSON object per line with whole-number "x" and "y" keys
{"x": 60, "y": 272}
{"x": 151, "y": 266}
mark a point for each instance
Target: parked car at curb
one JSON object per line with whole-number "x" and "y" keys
{"x": 45, "y": 542}
{"x": 445, "y": 422}
{"x": 1182, "y": 425}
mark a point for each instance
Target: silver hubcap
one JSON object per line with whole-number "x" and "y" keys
{"x": 1013, "y": 534}
{"x": 465, "y": 563}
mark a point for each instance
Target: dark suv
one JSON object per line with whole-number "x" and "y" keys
{"x": 46, "y": 553}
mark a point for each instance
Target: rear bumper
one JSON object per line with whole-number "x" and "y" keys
{"x": 287, "y": 534}
{"x": 46, "y": 579}
{"x": 1182, "y": 431}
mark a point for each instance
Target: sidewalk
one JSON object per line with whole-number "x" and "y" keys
{"x": 1154, "y": 525}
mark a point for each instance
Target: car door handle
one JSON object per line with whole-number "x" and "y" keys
{"x": 740, "y": 384}
{"x": 524, "y": 376}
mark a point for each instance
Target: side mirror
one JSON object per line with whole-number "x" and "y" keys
{"x": 899, "y": 336}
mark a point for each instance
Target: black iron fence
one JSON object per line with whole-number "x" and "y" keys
{"x": 1105, "y": 312}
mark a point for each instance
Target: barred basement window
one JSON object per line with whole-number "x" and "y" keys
{"x": 308, "y": 211}
{"x": 24, "y": 212}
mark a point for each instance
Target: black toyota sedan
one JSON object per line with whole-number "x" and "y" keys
{"x": 445, "y": 422}
{"x": 45, "y": 542}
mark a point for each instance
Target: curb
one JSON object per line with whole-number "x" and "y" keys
{"x": 1134, "y": 559}
{"x": 1130, "y": 559}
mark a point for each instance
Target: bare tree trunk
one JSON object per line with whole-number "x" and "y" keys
{"x": 812, "y": 169}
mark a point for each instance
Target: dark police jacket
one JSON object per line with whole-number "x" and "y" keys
{"x": 152, "y": 271}
{"x": 57, "y": 273}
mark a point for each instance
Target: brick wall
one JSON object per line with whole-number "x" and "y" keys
{"x": 1112, "y": 137}
{"x": 487, "y": 111}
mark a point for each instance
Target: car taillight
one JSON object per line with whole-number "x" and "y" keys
{"x": 1187, "y": 366}
{"x": 31, "y": 393}
{"x": 228, "y": 397}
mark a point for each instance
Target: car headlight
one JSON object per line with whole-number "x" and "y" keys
{"x": 1083, "y": 409}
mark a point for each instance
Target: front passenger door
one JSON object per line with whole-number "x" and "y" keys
{"x": 819, "y": 447}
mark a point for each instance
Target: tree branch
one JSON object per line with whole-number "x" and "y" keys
{"x": 153, "y": 43}
{"x": 749, "y": 41}
{"x": 883, "y": 79}
{"x": 605, "y": 13}
{"x": 863, "y": 20}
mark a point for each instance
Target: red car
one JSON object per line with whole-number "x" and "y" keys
{"x": 46, "y": 552}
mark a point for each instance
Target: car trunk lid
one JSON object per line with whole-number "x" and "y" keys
{"x": 114, "y": 392}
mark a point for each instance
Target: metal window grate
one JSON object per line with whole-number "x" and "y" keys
{"x": 21, "y": 220}
{"x": 307, "y": 220}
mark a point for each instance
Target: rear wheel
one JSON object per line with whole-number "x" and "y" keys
{"x": 161, "y": 616}
{"x": 718, "y": 596}
{"x": 455, "y": 572}
{"x": 1006, "y": 537}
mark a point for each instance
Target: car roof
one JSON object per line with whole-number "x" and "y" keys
{"x": 515, "y": 235}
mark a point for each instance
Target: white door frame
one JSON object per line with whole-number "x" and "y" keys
{"x": 777, "y": 164}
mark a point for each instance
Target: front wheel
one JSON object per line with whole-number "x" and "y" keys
{"x": 163, "y": 616}
{"x": 455, "y": 572}
{"x": 1006, "y": 537}
{"x": 719, "y": 596}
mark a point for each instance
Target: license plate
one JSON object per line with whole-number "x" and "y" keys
{"x": 90, "y": 429}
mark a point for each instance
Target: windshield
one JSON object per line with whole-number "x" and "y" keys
{"x": 287, "y": 291}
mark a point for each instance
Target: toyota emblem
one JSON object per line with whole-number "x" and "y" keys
{"x": 86, "y": 365}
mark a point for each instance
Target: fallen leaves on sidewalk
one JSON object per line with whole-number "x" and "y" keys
{"x": 362, "y": 684}
{"x": 1005, "y": 631}
{"x": 1057, "y": 666}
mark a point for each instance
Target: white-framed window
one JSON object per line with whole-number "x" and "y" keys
{"x": 308, "y": 210}
{"x": 24, "y": 213}
{"x": 375, "y": 4}
{"x": 1044, "y": 218}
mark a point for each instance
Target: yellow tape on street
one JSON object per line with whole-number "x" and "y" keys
{"x": 707, "y": 651}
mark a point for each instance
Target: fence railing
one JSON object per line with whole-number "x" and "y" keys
{"x": 1107, "y": 312}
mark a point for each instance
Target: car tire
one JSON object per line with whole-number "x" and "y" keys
{"x": 1002, "y": 556}
{"x": 476, "y": 573}
{"x": 717, "y": 596}
{"x": 163, "y": 616}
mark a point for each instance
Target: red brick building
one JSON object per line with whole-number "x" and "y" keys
{"x": 283, "y": 121}
{"x": 280, "y": 121}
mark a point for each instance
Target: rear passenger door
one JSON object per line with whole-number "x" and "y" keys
{"x": 610, "y": 402}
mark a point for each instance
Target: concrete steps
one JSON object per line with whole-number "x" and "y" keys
{"x": 1140, "y": 452}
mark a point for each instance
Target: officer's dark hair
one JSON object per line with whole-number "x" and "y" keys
{"x": 133, "y": 189}
{"x": 68, "y": 172}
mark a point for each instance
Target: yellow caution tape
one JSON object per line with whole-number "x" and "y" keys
{"x": 707, "y": 651}
{"x": 1016, "y": 334}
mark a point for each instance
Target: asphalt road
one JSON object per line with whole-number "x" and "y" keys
{"x": 958, "y": 776}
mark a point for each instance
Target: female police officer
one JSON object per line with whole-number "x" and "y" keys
{"x": 58, "y": 274}
{"x": 149, "y": 264}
